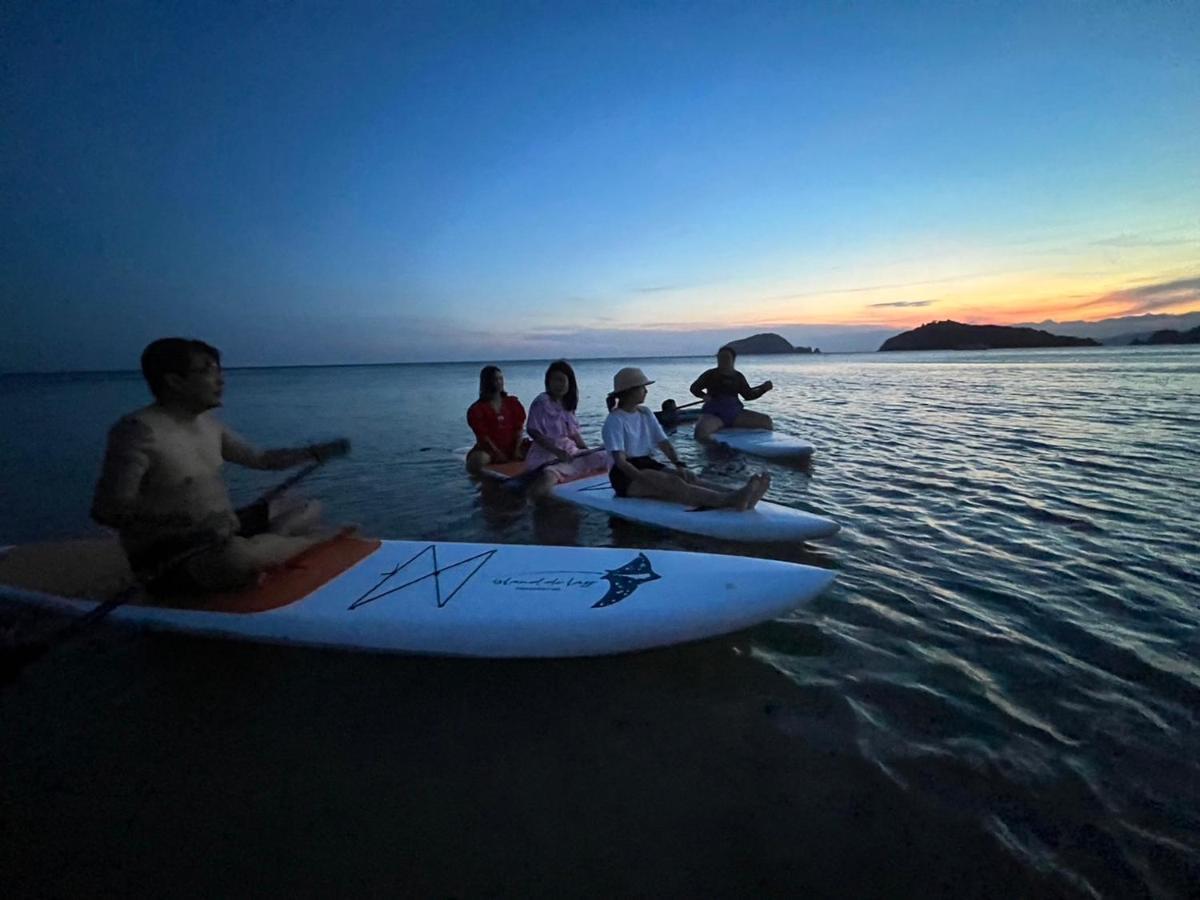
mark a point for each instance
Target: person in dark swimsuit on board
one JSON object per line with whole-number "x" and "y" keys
{"x": 722, "y": 389}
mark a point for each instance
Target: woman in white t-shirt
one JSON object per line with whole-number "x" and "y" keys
{"x": 631, "y": 432}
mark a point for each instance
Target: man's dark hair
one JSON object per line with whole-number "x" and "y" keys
{"x": 172, "y": 356}
{"x": 732, "y": 352}
{"x": 570, "y": 400}
{"x": 487, "y": 382}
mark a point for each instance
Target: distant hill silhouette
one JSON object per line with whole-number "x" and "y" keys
{"x": 1122, "y": 329}
{"x": 767, "y": 343}
{"x": 1170, "y": 336}
{"x": 956, "y": 336}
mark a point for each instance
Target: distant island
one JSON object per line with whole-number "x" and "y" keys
{"x": 956, "y": 336}
{"x": 1170, "y": 336}
{"x": 767, "y": 343}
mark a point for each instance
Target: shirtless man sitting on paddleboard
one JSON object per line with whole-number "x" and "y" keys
{"x": 161, "y": 484}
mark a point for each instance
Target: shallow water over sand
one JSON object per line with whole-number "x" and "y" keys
{"x": 998, "y": 696}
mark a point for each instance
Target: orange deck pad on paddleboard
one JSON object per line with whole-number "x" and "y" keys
{"x": 293, "y": 581}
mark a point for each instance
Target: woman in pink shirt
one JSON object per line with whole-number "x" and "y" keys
{"x": 557, "y": 443}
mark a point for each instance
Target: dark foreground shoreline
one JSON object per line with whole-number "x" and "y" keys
{"x": 154, "y": 765}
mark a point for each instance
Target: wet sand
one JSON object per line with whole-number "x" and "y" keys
{"x": 155, "y": 765}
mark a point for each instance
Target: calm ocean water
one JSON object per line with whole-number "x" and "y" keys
{"x": 1002, "y": 687}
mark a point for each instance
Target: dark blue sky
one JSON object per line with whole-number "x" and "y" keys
{"x": 377, "y": 182}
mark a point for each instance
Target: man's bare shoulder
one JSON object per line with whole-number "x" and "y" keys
{"x": 154, "y": 418}
{"x": 211, "y": 423}
{"x": 138, "y": 425}
{"x": 152, "y": 423}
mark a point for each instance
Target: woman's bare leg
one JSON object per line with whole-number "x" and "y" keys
{"x": 476, "y": 460}
{"x": 761, "y": 484}
{"x": 721, "y": 488}
{"x": 660, "y": 485}
{"x": 748, "y": 419}
{"x": 706, "y": 425}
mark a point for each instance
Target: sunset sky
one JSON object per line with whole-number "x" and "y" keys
{"x": 402, "y": 182}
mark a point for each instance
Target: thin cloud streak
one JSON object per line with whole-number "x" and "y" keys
{"x": 661, "y": 288}
{"x": 1182, "y": 284}
{"x": 677, "y": 286}
{"x": 901, "y": 304}
{"x": 1133, "y": 241}
{"x": 1153, "y": 297}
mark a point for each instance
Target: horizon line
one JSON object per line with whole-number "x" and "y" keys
{"x": 442, "y": 362}
{"x": 459, "y": 362}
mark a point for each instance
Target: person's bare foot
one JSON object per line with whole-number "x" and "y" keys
{"x": 743, "y": 495}
{"x": 761, "y": 484}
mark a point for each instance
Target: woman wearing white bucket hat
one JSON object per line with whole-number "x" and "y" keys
{"x": 631, "y": 432}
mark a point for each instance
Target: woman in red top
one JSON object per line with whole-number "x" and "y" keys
{"x": 497, "y": 419}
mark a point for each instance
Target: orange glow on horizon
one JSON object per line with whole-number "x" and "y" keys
{"x": 999, "y": 300}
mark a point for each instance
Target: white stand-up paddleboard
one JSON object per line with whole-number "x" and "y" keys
{"x": 766, "y": 522}
{"x": 760, "y": 442}
{"x": 478, "y": 599}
